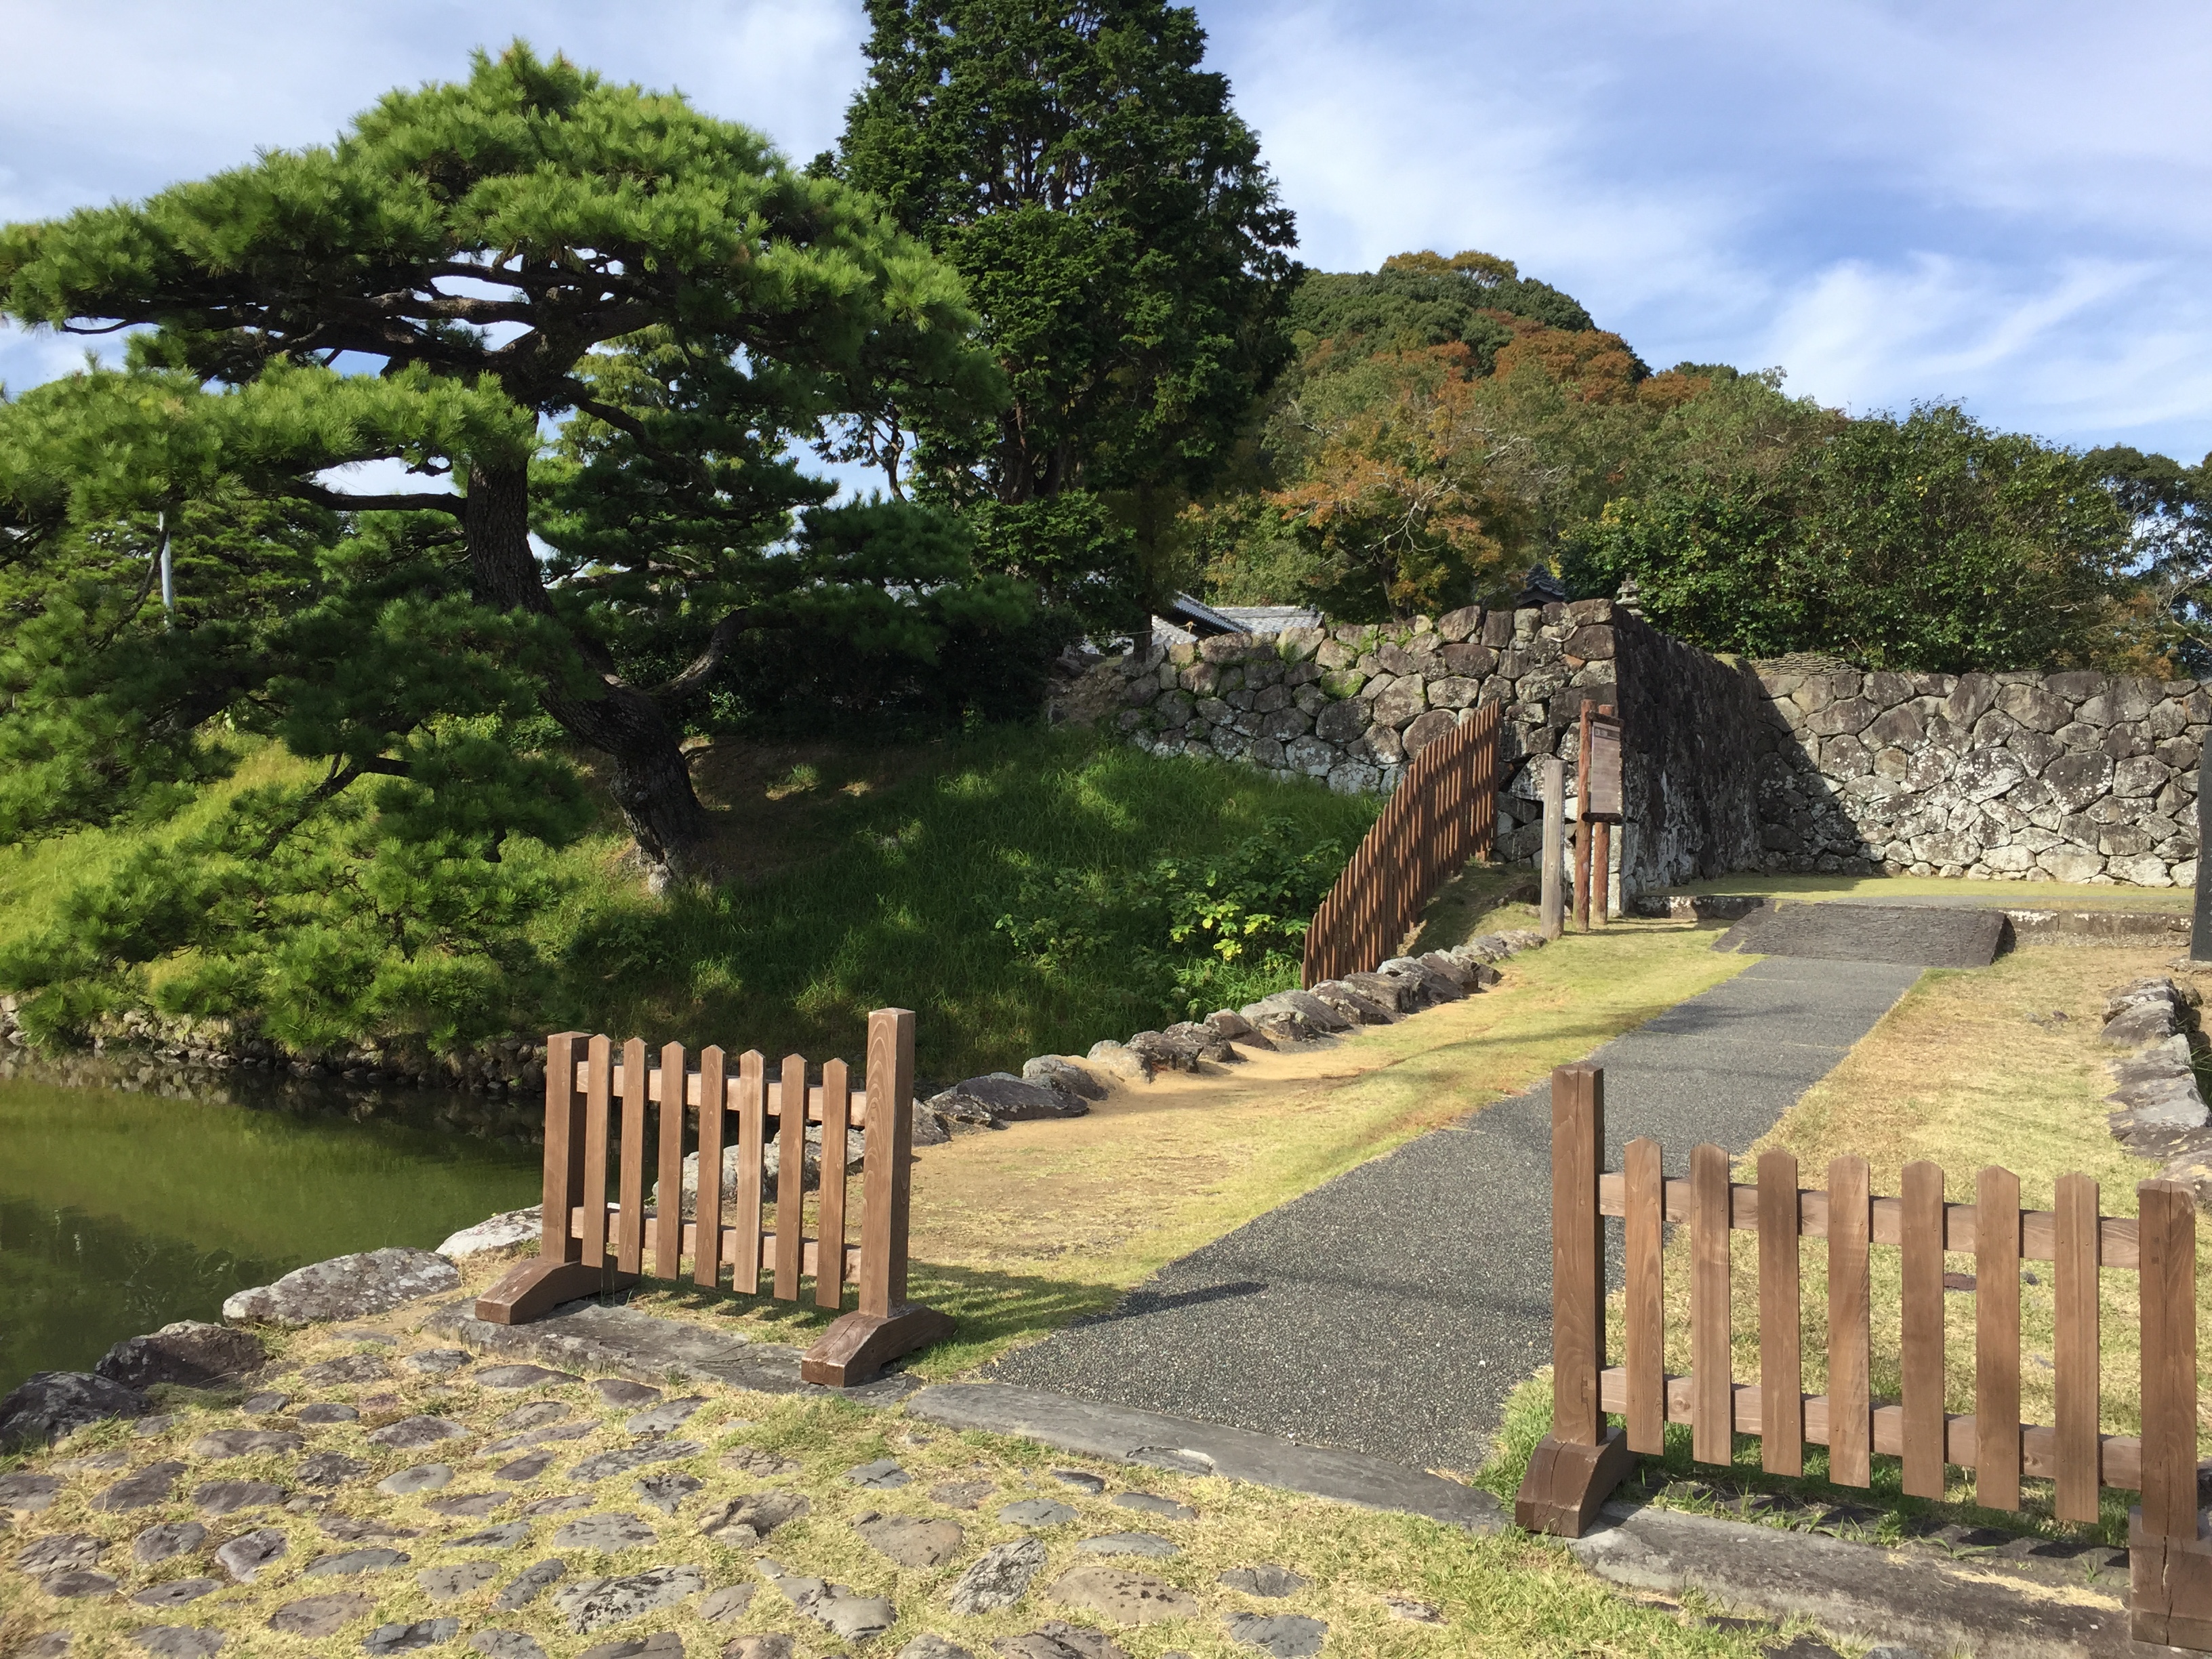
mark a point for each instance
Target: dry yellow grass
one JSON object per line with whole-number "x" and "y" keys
{"x": 1999, "y": 1066}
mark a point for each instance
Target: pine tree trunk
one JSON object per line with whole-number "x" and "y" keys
{"x": 651, "y": 783}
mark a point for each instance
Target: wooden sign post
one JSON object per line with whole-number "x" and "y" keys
{"x": 1598, "y": 807}
{"x": 1552, "y": 909}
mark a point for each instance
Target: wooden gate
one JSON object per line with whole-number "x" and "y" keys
{"x": 1583, "y": 1460}
{"x": 1443, "y": 812}
{"x": 598, "y": 1101}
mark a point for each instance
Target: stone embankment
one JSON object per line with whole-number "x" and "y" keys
{"x": 2074, "y": 777}
{"x": 2162, "y": 1113}
{"x": 1061, "y": 1086}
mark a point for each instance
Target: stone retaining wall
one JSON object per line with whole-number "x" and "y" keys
{"x": 1349, "y": 704}
{"x": 2077, "y": 777}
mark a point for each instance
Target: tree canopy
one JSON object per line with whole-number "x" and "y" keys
{"x": 467, "y": 263}
{"x": 1122, "y": 241}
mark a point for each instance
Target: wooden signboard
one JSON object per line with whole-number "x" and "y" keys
{"x": 1602, "y": 791}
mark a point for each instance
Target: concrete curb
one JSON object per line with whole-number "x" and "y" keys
{"x": 1192, "y": 1447}
{"x": 1862, "y": 1591}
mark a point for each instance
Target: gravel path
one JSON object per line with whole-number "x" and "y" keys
{"x": 1391, "y": 1310}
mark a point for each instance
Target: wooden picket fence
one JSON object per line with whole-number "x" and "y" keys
{"x": 606, "y": 1105}
{"x": 1443, "y": 812}
{"x": 1583, "y": 1460}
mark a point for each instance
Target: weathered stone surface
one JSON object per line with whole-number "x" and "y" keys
{"x": 347, "y": 1563}
{"x": 1036, "y": 1512}
{"x": 61, "y": 1551}
{"x": 408, "y": 1638}
{"x": 880, "y": 1475}
{"x": 1151, "y": 1503}
{"x": 219, "y": 1497}
{"x": 933, "y": 1647}
{"x": 79, "y": 1585}
{"x": 505, "y": 1231}
{"x": 346, "y": 1287}
{"x": 1056, "y": 1640}
{"x": 166, "y": 1541}
{"x": 179, "y": 1641}
{"x": 667, "y": 1490}
{"x": 764, "y": 1465}
{"x": 1057, "y": 1071}
{"x": 1125, "y": 1597}
{"x": 413, "y": 1433}
{"x": 190, "y": 1353}
{"x": 911, "y": 1540}
{"x": 745, "y": 1521}
{"x": 321, "y": 1616}
{"x": 219, "y": 1445}
{"x": 323, "y": 1412}
{"x": 1280, "y": 1635}
{"x": 244, "y": 1556}
{"x": 346, "y": 1368}
{"x": 530, "y": 1583}
{"x": 771, "y": 1645}
{"x": 327, "y": 1468}
{"x": 355, "y": 1530}
{"x": 661, "y": 1644}
{"x": 962, "y": 1494}
{"x": 176, "y": 1592}
{"x": 48, "y": 1405}
{"x": 1002, "y": 1098}
{"x": 512, "y": 1377}
{"x": 1265, "y": 1579}
{"x": 150, "y": 1485}
{"x": 423, "y": 1477}
{"x": 1116, "y": 1059}
{"x": 1150, "y": 1544}
{"x": 506, "y": 1645}
{"x": 625, "y": 1459}
{"x": 465, "y": 1506}
{"x": 505, "y": 1536}
{"x": 263, "y": 1405}
{"x": 27, "y": 1494}
{"x": 1419, "y": 1612}
{"x": 997, "y": 1578}
{"x": 720, "y": 1606}
{"x": 668, "y": 1416}
{"x": 595, "y": 1603}
{"x": 844, "y": 1611}
{"x": 605, "y": 1532}
{"x": 437, "y": 1362}
{"x": 462, "y": 1578}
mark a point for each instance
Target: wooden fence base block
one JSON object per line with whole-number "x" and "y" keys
{"x": 1566, "y": 1483}
{"x": 859, "y": 1345}
{"x": 538, "y": 1287}
{"x": 2169, "y": 1588}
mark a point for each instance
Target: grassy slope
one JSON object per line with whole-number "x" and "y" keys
{"x": 1969, "y": 1068}
{"x": 861, "y": 877}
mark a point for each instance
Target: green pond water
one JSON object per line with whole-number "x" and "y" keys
{"x": 122, "y": 1210}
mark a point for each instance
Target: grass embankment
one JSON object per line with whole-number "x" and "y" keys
{"x": 1501, "y": 1596}
{"x": 858, "y": 878}
{"x": 1016, "y": 1232}
{"x": 1995, "y": 1065}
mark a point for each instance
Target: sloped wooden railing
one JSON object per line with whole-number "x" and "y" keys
{"x": 599, "y": 1099}
{"x": 1443, "y": 812}
{"x": 1583, "y": 1460}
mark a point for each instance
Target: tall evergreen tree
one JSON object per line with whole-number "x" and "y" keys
{"x": 1118, "y": 233}
{"x": 481, "y": 248}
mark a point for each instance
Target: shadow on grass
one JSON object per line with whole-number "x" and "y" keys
{"x": 991, "y": 1311}
{"x": 1880, "y": 1513}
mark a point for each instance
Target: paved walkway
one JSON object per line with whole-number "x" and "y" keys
{"x": 1391, "y": 1310}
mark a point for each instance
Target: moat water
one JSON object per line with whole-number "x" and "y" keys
{"x": 132, "y": 1195}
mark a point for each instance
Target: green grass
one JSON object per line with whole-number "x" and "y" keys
{"x": 859, "y": 878}
{"x": 1875, "y": 888}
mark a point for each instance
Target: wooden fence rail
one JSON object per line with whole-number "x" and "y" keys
{"x": 1582, "y": 1459}
{"x": 1443, "y": 811}
{"x": 599, "y": 1103}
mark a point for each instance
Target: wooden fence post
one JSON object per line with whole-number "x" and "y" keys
{"x": 1577, "y": 1465}
{"x": 2169, "y": 1557}
{"x": 1553, "y": 907}
{"x": 885, "y": 1325}
{"x": 565, "y": 1268}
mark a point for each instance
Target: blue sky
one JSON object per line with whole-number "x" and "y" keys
{"x": 2005, "y": 204}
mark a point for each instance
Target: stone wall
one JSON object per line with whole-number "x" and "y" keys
{"x": 1349, "y": 704}
{"x": 2078, "y": 777}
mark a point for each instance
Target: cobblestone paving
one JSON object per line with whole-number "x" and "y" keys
{"x": 460, "y": 1507}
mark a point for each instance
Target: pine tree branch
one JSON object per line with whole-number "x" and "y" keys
{"x": 338, "y": 501}
{"x": 703, "y": 666}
